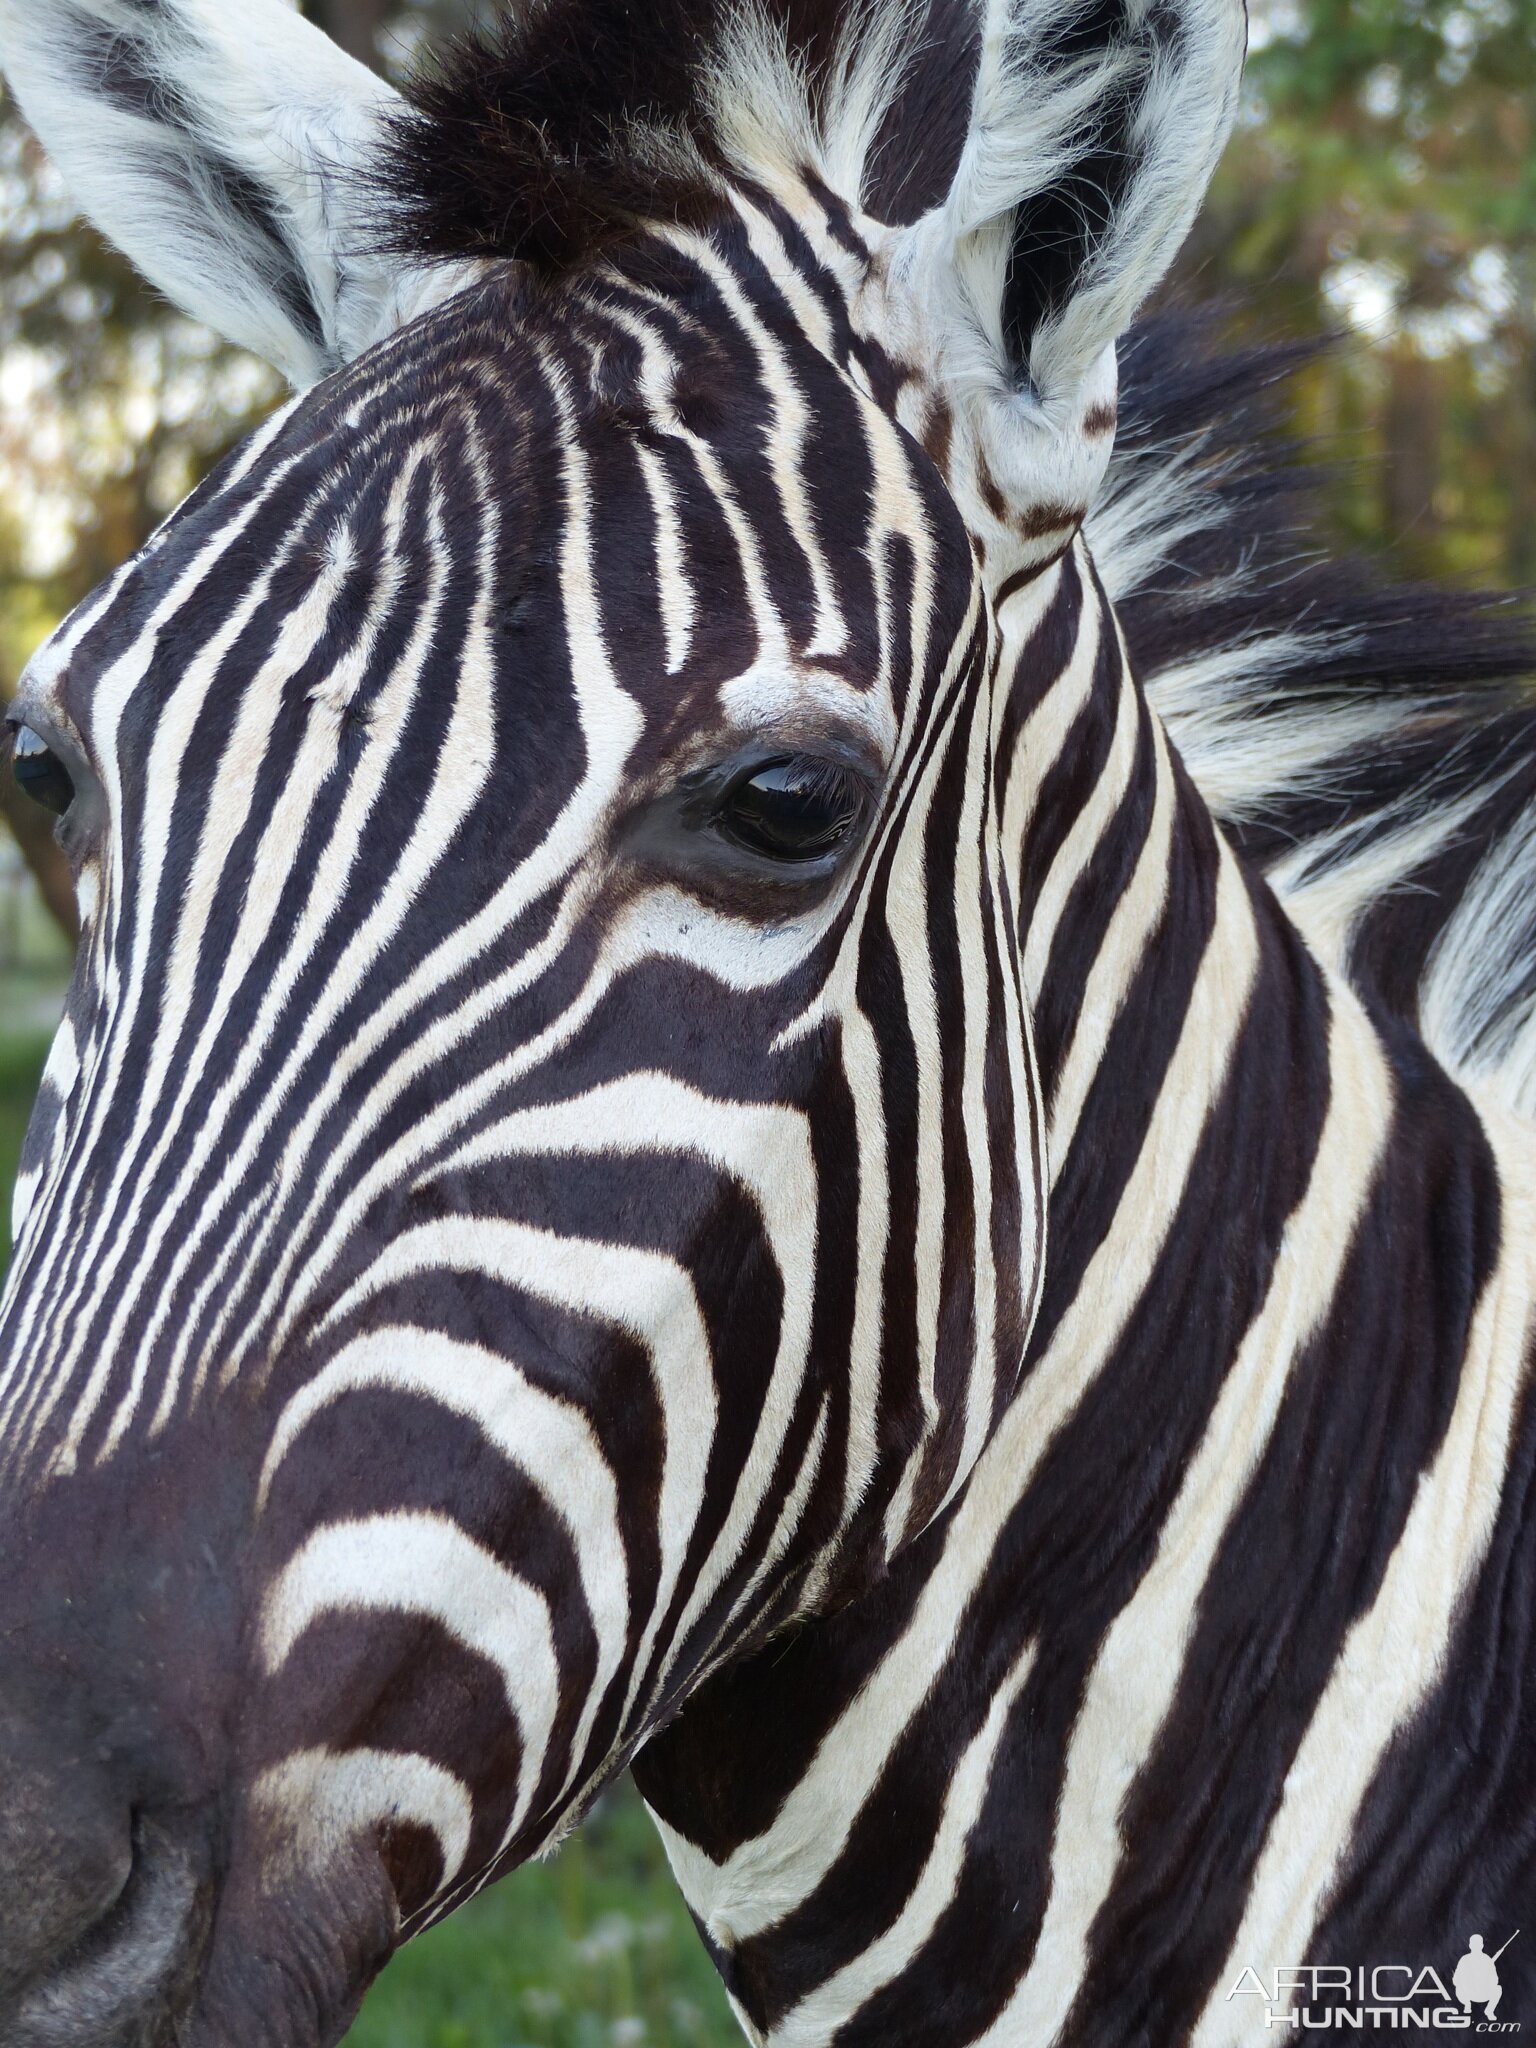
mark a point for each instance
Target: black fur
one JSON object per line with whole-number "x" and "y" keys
{"x": 1055, "y": 231}
{"x": 521, "y": 139}
{"x": 1459, "y": 663}
{"x": 1265, "y": 566}
{"x": 917, "y": 152}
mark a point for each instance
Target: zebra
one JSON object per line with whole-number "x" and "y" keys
{"x": 791, "y": 1066}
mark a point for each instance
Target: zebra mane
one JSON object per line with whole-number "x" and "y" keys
{"x": 548, "y": 132}
{"x": 1055, "y": 152}
{"x": 1371, "y": 744}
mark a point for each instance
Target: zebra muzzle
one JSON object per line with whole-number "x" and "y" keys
{"x": 99, "y": 1948}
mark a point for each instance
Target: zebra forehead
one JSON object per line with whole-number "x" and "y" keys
{"x": 690, "y": 454}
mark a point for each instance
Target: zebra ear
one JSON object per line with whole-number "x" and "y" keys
{"x": 220, "y": 146}
{"x": 1093, "y": 130}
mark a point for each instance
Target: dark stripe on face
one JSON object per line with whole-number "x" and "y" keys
{"x": 1037, "y": 669}
{"x": 414, "y": 1690}
{"x": 1092, "y": 902}
{"x": 1129, "y": 1076}
{"x": 1068, "y": 785}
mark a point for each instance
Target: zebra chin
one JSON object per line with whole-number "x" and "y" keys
{"x": 296, "y": 1940}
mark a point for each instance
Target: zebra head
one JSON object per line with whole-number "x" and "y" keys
{"x": 538, "y": 1185}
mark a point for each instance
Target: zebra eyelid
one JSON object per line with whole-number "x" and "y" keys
{"x": 79, "y": 826}
{"x": 682, "y": 827}
{"x": 60, "y": 739}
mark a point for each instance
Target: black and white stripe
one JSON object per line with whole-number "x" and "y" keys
{"x": 991, "y": 1362}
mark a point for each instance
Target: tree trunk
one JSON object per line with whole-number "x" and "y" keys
{"x": 33, "y": 830}
{"x": 1412, "y": 468}
{"x": 355, "y": 24}
{"x": 1520, "y": 455}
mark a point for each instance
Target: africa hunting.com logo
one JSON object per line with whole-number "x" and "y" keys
{"x": 1331, "y": 1997}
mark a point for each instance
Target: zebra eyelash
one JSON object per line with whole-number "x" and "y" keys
{"x": 819, "y": 787}
{"x": 694, "y": 830}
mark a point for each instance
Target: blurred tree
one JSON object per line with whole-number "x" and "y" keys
{"x": 1383, "y": 177}
{"x": 358, "y": 25}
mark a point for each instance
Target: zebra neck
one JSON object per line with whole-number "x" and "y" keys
{"x": 1115, "y": 1723}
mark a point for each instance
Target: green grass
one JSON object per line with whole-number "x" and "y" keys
{"x": 22, "y": 1054}
{"x": 591, "y": 1950}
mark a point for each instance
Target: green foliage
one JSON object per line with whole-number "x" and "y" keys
{"x": 1383, "y": 181}
{"x": 23, "y": 1049}
{"x": 591, "y": 1950}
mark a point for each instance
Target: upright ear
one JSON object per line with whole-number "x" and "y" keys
{"x": 1095, "y": 131}
{"x": 1092, "y": 130}
{"x": 221, "y": 145}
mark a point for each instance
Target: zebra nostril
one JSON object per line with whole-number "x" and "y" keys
{"x": 134, "y": 1926}
{"x": 117, "y": 1882}
{"x": 66, "y": 1863}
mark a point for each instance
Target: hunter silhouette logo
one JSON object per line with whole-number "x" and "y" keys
{"x": 1325, "y": 1997}
{"x": 1476, "y": 1981}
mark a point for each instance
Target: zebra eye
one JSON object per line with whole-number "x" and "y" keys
{"x": 795, "y": 810}
{"x": 39, "y": 772}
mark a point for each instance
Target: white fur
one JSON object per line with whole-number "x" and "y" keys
{"x": 1030, "y": 126}
{"x": 1219, "y": 707}
{"x": 252, "y": 89}
{"x": 1476, "y": 1007}
{"x": 321, "y": 1798}
{"x": 1250, "y": 744}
